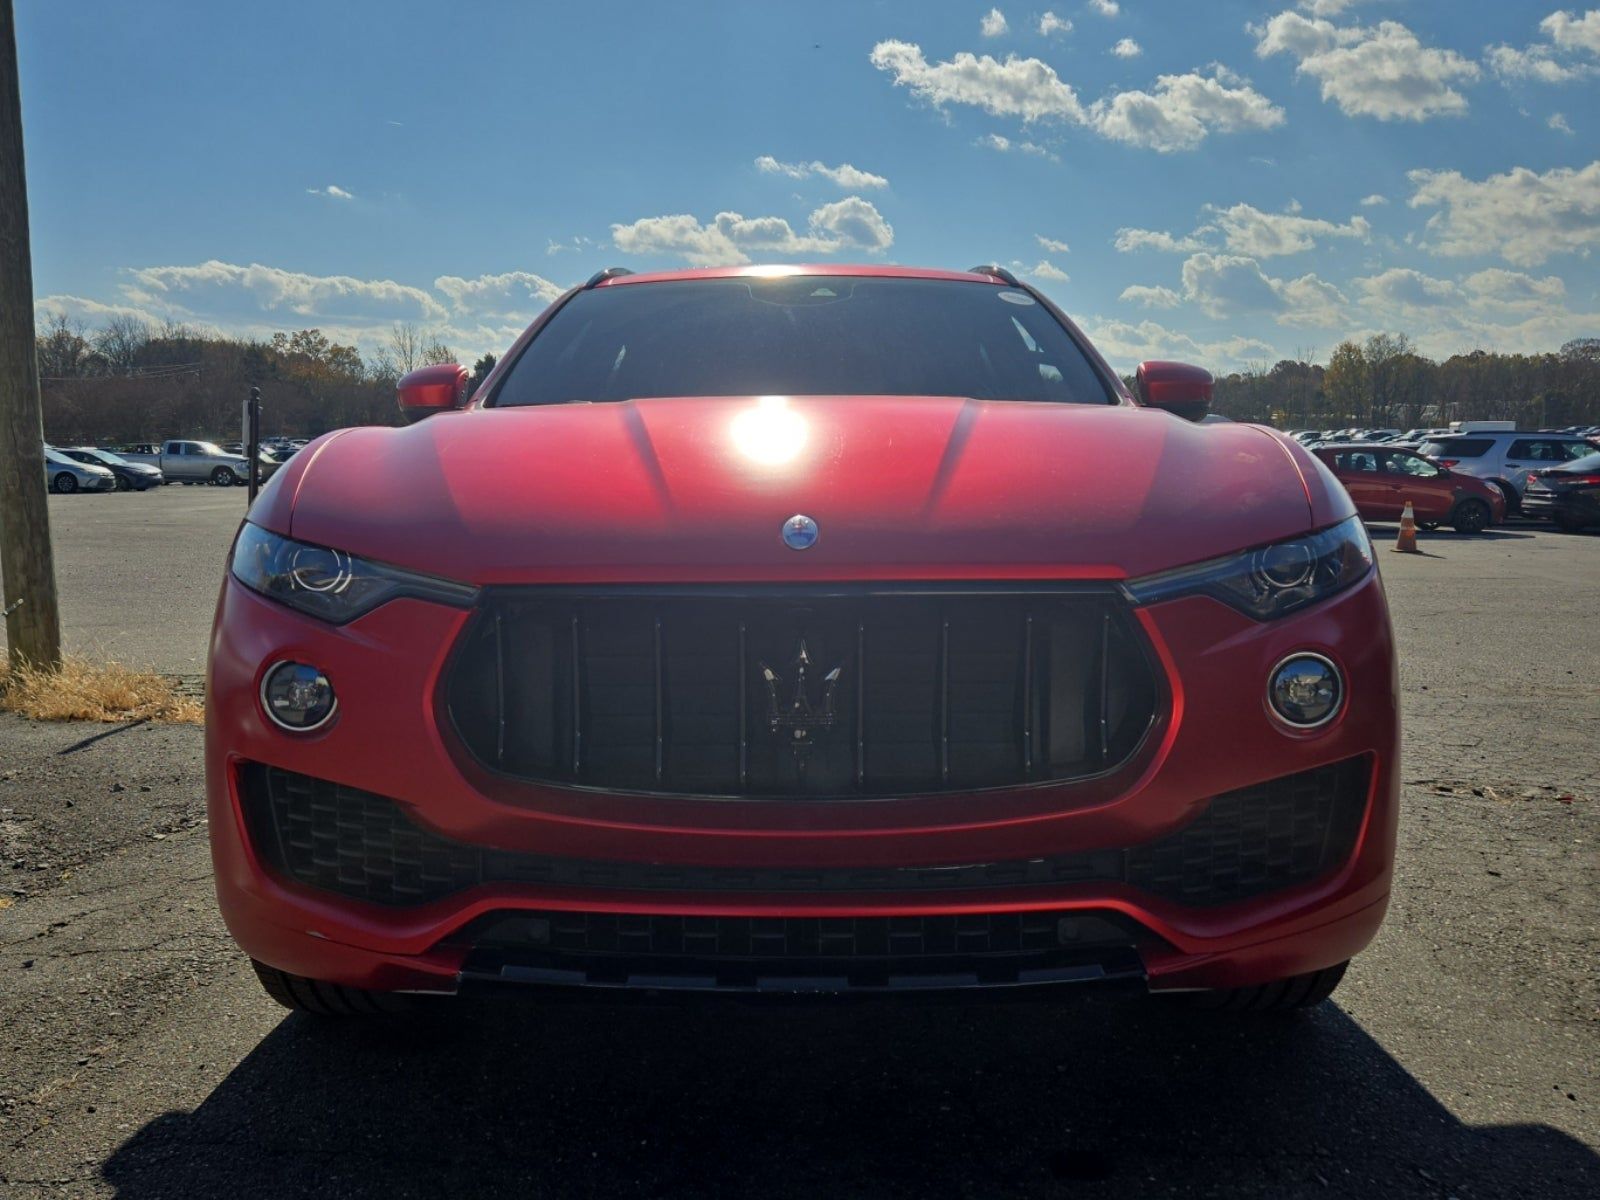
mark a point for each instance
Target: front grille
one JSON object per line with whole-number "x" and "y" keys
{"x": 1244, "y": 843}
{"x": 800, "y": 954}
{"x": 802, "y": 692}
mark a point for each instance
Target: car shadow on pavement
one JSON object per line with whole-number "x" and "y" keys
{"x": 1090, "y": 1096}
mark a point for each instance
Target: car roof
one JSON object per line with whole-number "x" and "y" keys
{"x": 769, "y": 271}
{"x": 1341, "y": 447}
{"x": 1507, "y": 433}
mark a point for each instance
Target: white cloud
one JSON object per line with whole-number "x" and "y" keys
{"x": 1182, "y": 111}
{"x": 1249, "y": 231}
{"x": 90, "y": 312}
{"x": 513, "y": 295}
{"x": 1151, "y": 297}
{"x": 1052, "y": 244}
{"x": 1126, "y": 344}
{"x": 1494, "y": 308}
{"x": 1559, "y": 123}
{"x": 1106, "y": 8}
{"x": 1127, "y": 48}
{"x": 854, "y": 222}
{"x": 333, "y": 191}
{"x": 1380, "y": 71}
{"x": 1572, "y": 32}
{"x": 573, "y": 244}
{"x": 1017, "y": 87}
{"x": 1178, "y": 115}
{"x": 993, "y": 23}
{"x": 1129, "y": 240}
{"x": 998, "y": 141}
{"x": 1522, "y": 216}
{"x": 1374, "y": 200}
{"x": 1225, "y": 285}
{"x": 1050, "y": 25}
{"x": 1535, "y": 63}
{"x": 1045, "y": 269}
{"x": 730, "y": 237}
{"x": 844, "y": 175}
{"x": 227, "y": 287}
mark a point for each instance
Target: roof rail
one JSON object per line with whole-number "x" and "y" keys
{"x": 608, "y": 273}
{"x": 1000, "y": 273}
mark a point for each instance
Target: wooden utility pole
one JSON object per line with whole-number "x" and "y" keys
{"x": 33, "y": 623}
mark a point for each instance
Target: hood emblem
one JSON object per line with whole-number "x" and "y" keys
{"x": 800, "y": 532}
{"x": 798, "y": 716}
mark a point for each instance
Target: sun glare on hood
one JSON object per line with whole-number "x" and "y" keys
{"x": 770, "y": 434}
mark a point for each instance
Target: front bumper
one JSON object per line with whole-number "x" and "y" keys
{"x": 1217, "y": 737}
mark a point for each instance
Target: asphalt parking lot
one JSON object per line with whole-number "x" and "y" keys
{"x": 1460, "y": 1058}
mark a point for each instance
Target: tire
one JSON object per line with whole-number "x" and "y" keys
{"x": 1280, "y": 996}
{"x": 1513, "y": 501}
{"x": 224, "y": 477}
{"x": 1470, "y": 516}
{"x": 64, "y": 484}
{"x": 320, "y": 999}
{"x": 123, "y": 485}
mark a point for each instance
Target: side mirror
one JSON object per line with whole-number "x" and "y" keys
{"x": 432, "y": 389}
{"x": 1179, "y": 388}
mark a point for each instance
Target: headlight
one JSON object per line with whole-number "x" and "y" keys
{"x": 330, "y": 584}
{"x": 1272, "y": 580}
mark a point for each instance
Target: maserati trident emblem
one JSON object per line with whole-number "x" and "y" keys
{"x": 800, "y": 532}
{"x": 797, "y": 716}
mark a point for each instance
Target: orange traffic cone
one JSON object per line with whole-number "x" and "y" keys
{"x": 1406, "y": 543}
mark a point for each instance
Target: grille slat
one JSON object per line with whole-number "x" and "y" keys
{"x": 800, "y": 694}
{"x": 1245, "y": 843}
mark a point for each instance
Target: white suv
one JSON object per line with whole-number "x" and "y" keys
{"x": 1504, "y": 457}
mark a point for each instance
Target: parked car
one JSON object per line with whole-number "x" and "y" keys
{"x": 63, "y": 474}
{"x": 184, "y": 461}
{"x": 1569, "y": 495}
{"x": 1382, "y": 479}
{"x": 1504, "y": 457}
{"x": 807, "y": 647}
{"x": 130, "y": 476}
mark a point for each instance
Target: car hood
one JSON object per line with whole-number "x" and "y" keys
{"x": 699, "y": 488}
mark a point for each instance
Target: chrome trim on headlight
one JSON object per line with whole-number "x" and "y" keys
{"x": 329, "y": 584}
{"x": 1270, "y": 581}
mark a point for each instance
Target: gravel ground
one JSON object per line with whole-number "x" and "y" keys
{"x": 1460, "y": 1057}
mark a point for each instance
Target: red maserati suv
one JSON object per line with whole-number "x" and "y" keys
{"x": 802, "y": 630}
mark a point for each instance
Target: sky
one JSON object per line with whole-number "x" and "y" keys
{"x": 1228, "y": 183}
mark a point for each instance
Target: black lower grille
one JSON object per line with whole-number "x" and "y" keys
{"x": 1244, "y": 843}
{"x": 802, "y": 692}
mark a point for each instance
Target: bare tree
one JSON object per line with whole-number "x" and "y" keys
{"x": 64, "y": 351}
{"x": 405, "y": 345}
{"x": 437, "y": 352}
{"x": 121, "y": 342}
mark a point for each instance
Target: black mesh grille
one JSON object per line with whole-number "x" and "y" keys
{"x": 802, "y": 692}
{"x": 1244, "y": 843}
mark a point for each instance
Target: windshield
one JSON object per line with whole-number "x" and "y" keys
{"x": 106, "y": 457}
{"x": 803, "y": 336}
{"x": 1580, "y": 466}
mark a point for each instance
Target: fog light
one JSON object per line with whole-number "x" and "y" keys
{"x": 1305, "y": 690}
{"x": 297, "y": 697}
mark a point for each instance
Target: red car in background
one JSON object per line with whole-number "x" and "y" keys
{"x": 1382, "y": 479}
{"x": 802, "y": 630}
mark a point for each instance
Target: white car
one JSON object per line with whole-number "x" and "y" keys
{"x": 1504, "y": 457}
{"x": 63, "y": 475}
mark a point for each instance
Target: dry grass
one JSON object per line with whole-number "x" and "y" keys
{"x": 95, "y": 691}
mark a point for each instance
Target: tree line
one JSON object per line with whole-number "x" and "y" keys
{"x": 1383, "y": 383}
{"x": 131, "y": 381}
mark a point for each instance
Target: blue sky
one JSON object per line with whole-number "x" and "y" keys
{"x": 1228, "y": 182}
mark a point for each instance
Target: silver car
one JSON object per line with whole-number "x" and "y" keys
{"x": 1503, "y": 457}
{"x": 63, "y": 475}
